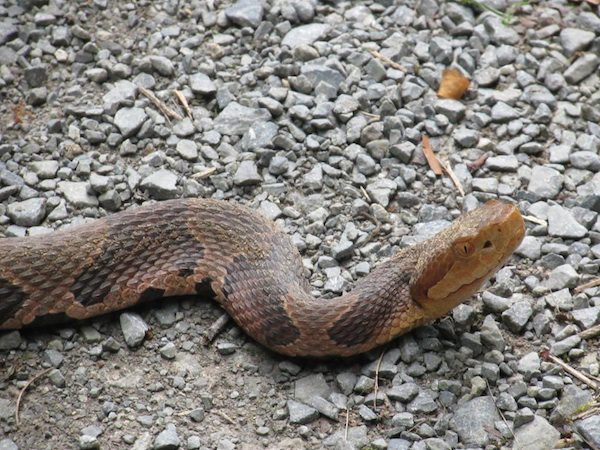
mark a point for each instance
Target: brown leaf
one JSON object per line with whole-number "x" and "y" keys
{"x": 20, "y": 112}
{"x": 453, "y": 85}
{"x": 475, "y": 165}
{"x": 434, "y": 163}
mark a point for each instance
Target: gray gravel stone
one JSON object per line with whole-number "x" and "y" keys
{"x": 491, "y": 336}
{"x": 404, "y": 393}
{"x": 529, "y": 365}
{"x": 517, "y": 316}
{"x": 380, "y": 191}
{"x": 130, "y": 120}
{"x": 201, "y": 84}
{"x": 122, "y": 93}
{"x": 585, "y": 160}
{"x": 561, "y": 223}
{"x": 168, "y": 351}
{"x": 163, "y": 65}
{"x": 247, "y": 174}
{"x": 545, "y": 182}
{"x": 561, "y": 277}
{"x": 187, "y": 149}
{"x": 168, "y": 439}
{"x": 246, "y": 13}
{"x": 523, "y": 416}
{"x": 259, "y": 135}
{"x": 586, "y": 317}
{"x": 311, "y": 386}
{"x": 398, "y": 444}
{"x": 582, "y": 67}
{"x": 78, "y": 193}
{"x": 305, "y": 34}
{"x": 504, "y": 163}
{"x": 424, "y": 402}
{"x": 7, "y": 444}
{"x": 501, "y": 112}
{"x": 531, "y": 248}
{"x": 27, "y": 213}
{"x": 44, "y": 169}
{"x": 36, "y": 76}
{"x": 314, "y": 178}
{"x": 454, "y": 110}
{"x": 472, "y": 419}
{"x": 562, "y": 347}
{"x": 575, "y": 39}
{"x": 161, "y": 185}
{"x": 536, "y": 434}
{"x": 235, "y": 119}
{"x": 589, "y": 428}
{"x": 10, "y": 340}
{"x": 300, "y": 413}
{"x": 184, "y": 128}
{"x": 134, "y": 328}
{"x": 8, "y": 32}
{"x": 324, "y": 407}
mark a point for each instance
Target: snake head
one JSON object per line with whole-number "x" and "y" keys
{"x": 456, "y": 262}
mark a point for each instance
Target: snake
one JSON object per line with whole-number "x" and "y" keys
{"x": 252, "y": 269}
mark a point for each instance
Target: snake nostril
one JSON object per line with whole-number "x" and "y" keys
{"x": 488, "y": 244}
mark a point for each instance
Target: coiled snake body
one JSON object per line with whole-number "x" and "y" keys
{"x": 183, "y": 247}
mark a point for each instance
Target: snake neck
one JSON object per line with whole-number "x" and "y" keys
{"x": 376, "y": 310}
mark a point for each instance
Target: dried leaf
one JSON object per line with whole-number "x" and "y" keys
{"x": 20, "y": 112}
{"x": 478, "y": 163}
{"x": 453, "y": 85}
{"x": 434, "y": 163}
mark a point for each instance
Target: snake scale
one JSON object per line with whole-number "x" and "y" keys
{"x": 253, "y": 270}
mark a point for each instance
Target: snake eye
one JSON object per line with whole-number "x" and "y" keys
{"x": 464, "y": 249}
{"x": 488, "y": 244}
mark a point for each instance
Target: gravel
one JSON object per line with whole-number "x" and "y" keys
{"x": 312, "y": 113}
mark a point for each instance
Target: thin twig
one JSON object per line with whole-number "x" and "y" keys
{"x": 592, "y": 446}
{"x": 216, "y": 327}
{"x": 204, "y": 173}
{"x": 377, "y": 367}
{"x": 590, "y": 284}
{"x": 448, "y": 169}
{"x": 22, "y": 393}
{"x": 371, "y": 115}
{"x": 536, "y": 220}
{"x": 375, "y": 231}
{"x": 387, "y": 60}
{"x": 167, "y": 112}
{"x": 226, "y": 417}
{"x": 590, "y": 332}
{"x": 347, "y": 423}
{"x": 592, "y": 410}
{"x": 570, "y": 370}
{"x": 498, "y": 409}
{"x": 184, "y": 102}
{"x": 364, "y": 192}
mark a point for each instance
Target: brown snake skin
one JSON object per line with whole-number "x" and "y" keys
{"x": 182, "y": 247}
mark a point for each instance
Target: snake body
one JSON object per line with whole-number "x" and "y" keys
{"x": 253, "y": 270}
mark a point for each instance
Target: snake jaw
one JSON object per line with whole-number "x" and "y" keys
{"x": 458, "y": 260}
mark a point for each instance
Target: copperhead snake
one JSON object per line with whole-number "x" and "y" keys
{"x": 253, "y": 270}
